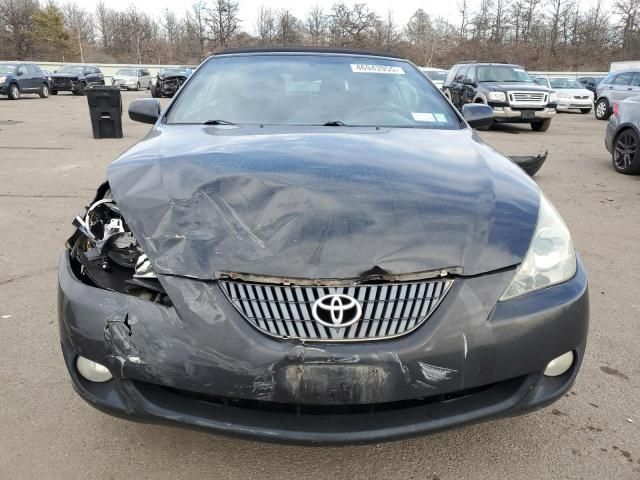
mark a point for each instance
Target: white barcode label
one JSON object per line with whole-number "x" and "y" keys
{"x": 373, "y": 68}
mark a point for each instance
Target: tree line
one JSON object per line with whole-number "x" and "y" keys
{"x": 539, "y": 34}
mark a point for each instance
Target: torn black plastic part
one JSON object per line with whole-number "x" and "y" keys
{"x": 104, "y": 252}
{"x": 530, "y": 163}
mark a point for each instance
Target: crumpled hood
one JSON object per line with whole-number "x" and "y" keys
{"x": 324, "y": 202}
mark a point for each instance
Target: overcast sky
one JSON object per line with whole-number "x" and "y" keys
{"x": 402, "y": 9}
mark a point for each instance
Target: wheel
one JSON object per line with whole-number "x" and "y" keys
{"x": 138, "y": 87}
{"x": 585, "y": 110}
{"x": 154, "y": 91}
{"x": 80, "y": 89}
{"x": 44, "y": 91}
{"x": 626, "y": 152}
{"x": 54, "y": 92}
{"x": 14, "y": 91}
{"x": 602, "y": 109}
{"x": 541, "y": 126}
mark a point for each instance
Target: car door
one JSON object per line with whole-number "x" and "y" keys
{"x": 635, "y": 84}
{"x": 147, "y": 78}
{"x": 621, "y": 86}
{"x": 468, "y": 89}
{"x": 457, "y": 86}
{"x": 24, "y": 78}
{"x": 37, "y": 76}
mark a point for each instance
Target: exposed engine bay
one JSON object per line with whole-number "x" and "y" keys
{"x": 105, "y": 254}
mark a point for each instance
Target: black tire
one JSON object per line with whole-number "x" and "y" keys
{"x": 81, "y": 87}
{"x": 603, "y": 110}
{"x": 541, "y": 125}
{"x": 585, "y": 110}
{"x": 626, "y": 152}
{"x": 44, "y": 91}
{"x": 138, "y": 87}
{"x": 54, "y": 92}
{"x": 14, "y": 92}
{"x": 154, "y": 91}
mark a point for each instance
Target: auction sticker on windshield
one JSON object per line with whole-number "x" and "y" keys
{"x": 373, "y": 68}
{"x": 423, "y": 117}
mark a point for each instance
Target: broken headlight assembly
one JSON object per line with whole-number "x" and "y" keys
{"x": 551, "y": 258}
{"x": 105, "y": 254}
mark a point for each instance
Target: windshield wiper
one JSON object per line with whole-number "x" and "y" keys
{"x": 217, "y": 122}
{"x": 334, "y": 123}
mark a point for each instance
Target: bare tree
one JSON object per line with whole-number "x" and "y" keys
{"x": 350, "y": 26}
{"x": 316, "y": 26}
{"x": 629, "y": 13}
{"x": 81, "y": 26}
{"x": 265, "y": 26}
{"x": 224, "y": 21}
{"x": 15, "y": 23}
{"x": 288, "y": 29}
{"x": 463, "y": 10}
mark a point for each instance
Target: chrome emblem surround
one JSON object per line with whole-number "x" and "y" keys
{"x": 337, "y": 305}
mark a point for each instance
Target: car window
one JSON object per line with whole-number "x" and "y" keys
{"x": 461, "y": 73}
{"x": 435, "y": 75}
{"x": 312, "y": 90}
{"x": 624, "y": 79}
{"x": 74, "y": 69}
{"x": 33, "y": 70}
{"x": 22, "y": 70}
{"x": 126, "y": 72}
{"x": 540, "y": 81}
{"x": 503, "y": 73}
{"x": 452, "y": 74}
{"x": 7, "y": 68}
{"x": 471, "y": 73}
{"x": 563, "y": 83}
{"x": 635, "y": 81}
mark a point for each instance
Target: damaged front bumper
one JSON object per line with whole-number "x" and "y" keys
{"x": 197, "y": 362}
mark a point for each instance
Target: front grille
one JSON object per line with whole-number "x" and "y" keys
{"x": 581, "y": 97}
{"x": 388, "y": 310}
{"x": 527, "y": 98}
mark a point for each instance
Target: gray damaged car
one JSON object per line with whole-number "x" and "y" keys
{"x": 314, "y": 246}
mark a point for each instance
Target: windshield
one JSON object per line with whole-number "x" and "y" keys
{"x": 340, "y": 90}
{"x": 4, "y": 68}
{"x": 503, "y": 73}
{"x": 71, "y": 69}
{"x": 435, "y": 75}
{"x": 564, "y": 83}
{"x": 127, "y": 72}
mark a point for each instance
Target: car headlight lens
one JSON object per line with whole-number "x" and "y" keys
{"x": 3, "y": 79}
{"x": 553, "y": 97}
{"x": 564, "y": 96}
{"x": 497, "y": 97}
{"x": 551, "y": 258}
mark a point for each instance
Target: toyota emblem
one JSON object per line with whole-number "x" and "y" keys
{"x": 336, "y": 310}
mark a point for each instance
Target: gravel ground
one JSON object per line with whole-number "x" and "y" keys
{"x": 50, "y": 167}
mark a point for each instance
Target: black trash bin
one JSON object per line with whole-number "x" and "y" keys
{"x": 105, "y": 108}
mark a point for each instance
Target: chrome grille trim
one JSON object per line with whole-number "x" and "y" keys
{"x": 388, "y": 310}
{"x": 528, "y": 98}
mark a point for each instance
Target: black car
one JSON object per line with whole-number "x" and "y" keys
{"x": 590, "y": 83}
{"x": 17, "y": 78}
{"x": 75, "y": 78}
{"x": 508, "y": 89}
{"x": 168, "y": 81}
{"x": 291, "y": 254}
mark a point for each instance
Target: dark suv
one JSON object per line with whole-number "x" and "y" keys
{"x": 75, "y": 78}
{"x": 509, "y": 89}
{"x": 17, "y": 78}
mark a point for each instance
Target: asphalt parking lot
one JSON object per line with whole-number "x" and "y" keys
{"x": 49, "y": 169}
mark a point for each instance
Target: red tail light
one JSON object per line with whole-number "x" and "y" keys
{"x": 615, "y": 109}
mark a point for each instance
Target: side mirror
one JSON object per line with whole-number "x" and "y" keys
{"x": 146, "y": 110}
{"x": 468, "y": 81}
{"x": 478, "y": 115}
{"x": 19, "y": 73}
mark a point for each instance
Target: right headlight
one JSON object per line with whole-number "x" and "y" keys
{"x": 2, "y": 79}
{"x": 497, "y": 97}
{"x": 551, "y": 258}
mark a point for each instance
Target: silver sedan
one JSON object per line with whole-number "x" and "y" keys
{"x": 623, "y": 136}
{"x": 132, "y": 79}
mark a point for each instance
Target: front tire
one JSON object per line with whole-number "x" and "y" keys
{"x": 154, "y": 91}
{"x": 14, "y": 92}
{"x": 81, "y": 88}
{"x": 44, "y": 91}
{"x": 138, "y": 87}
{"x": 541, "y": 126}
{"x": 626, "y": 153}
{"x": 585, "y": 110}
{"x": 602, "y": 109}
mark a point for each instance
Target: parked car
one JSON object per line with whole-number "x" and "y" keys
{"x": 508, "y": 89}
{"x": 436, "y": 75}
{"x": 354, "y": 265}
{"x": 615, "y": 88}
{"x": 623, "y": 135}
{"x": 17, "y": 78}
{"x": 169, "y": 80}
{"x": 571, "y": 95}
{"x": 75, "y": 78}
{"x": 590, "y": 83}
{"x": 132, "y": 79}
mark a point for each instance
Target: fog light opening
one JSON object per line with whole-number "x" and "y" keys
{"x": 559, "y": 365}
{"x": 93, "y": 371}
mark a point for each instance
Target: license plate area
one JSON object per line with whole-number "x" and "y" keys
{"x": 528, "y": 114}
